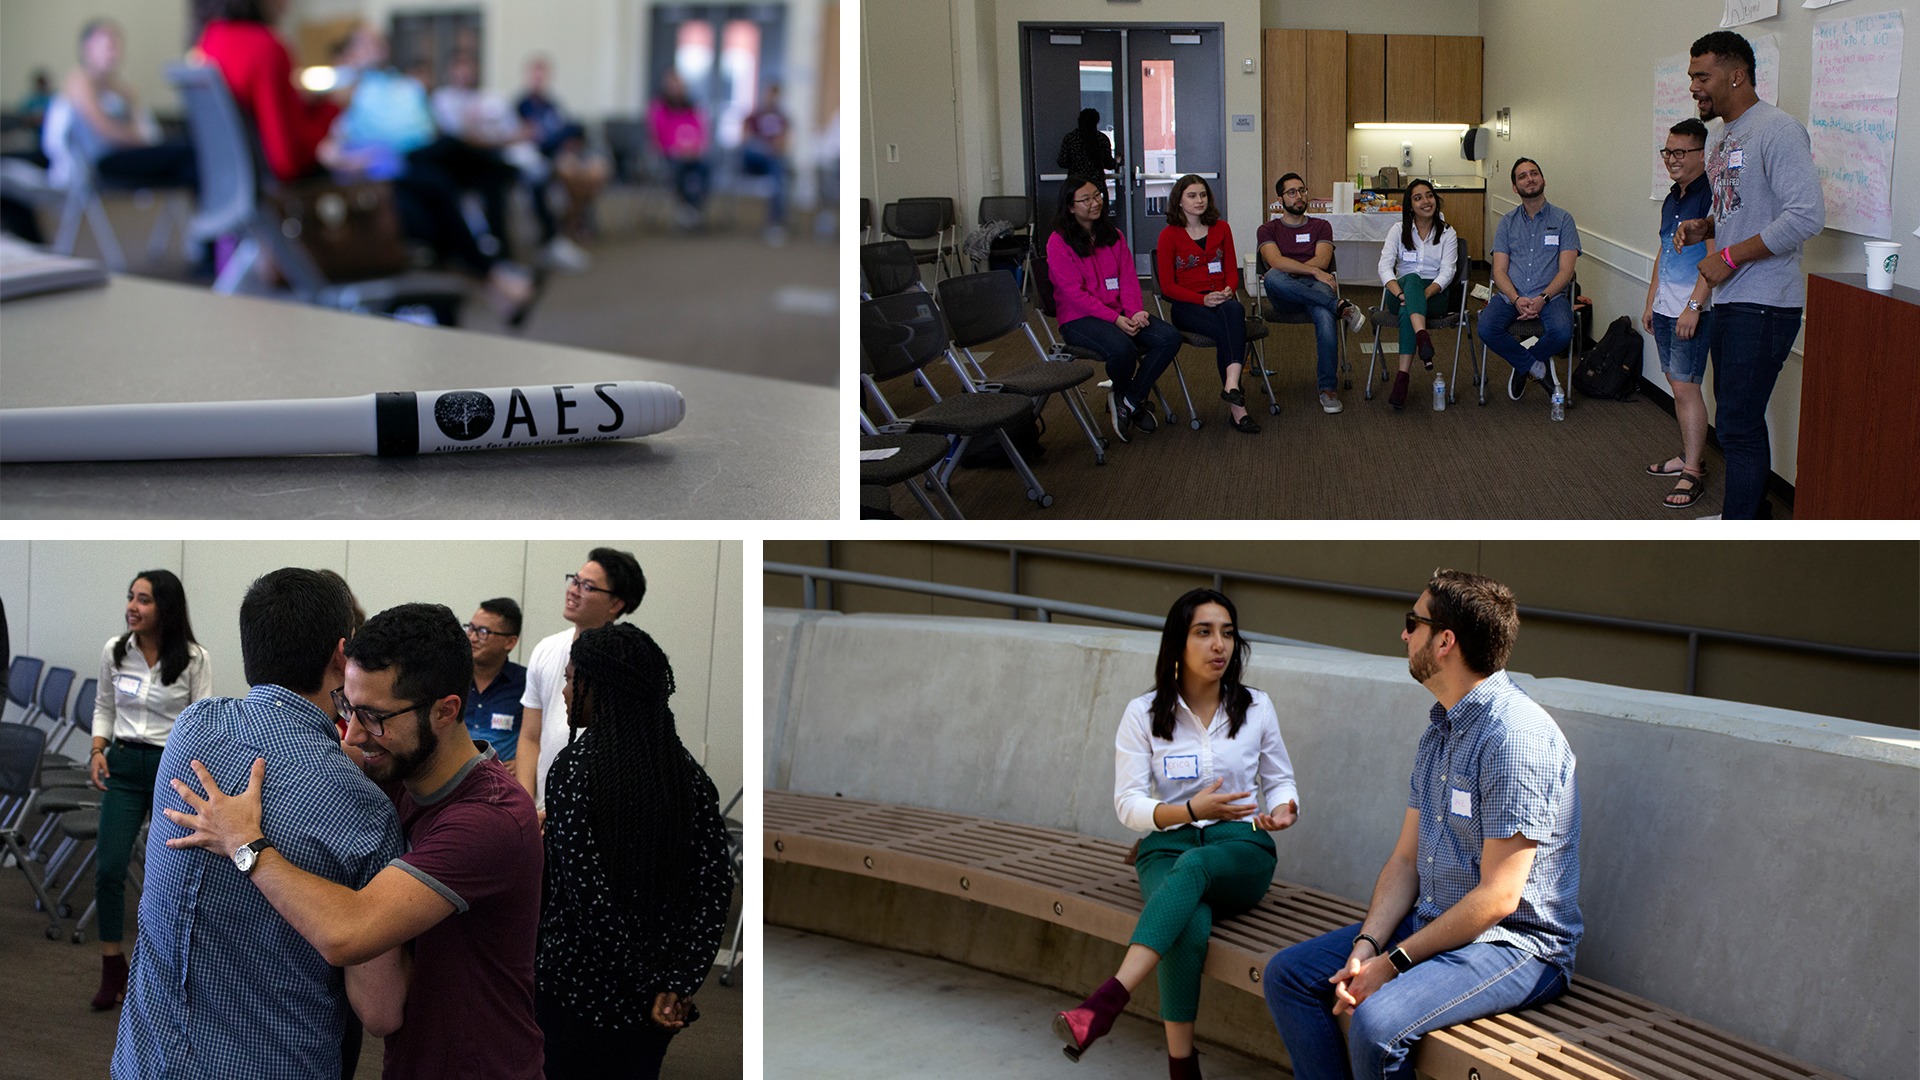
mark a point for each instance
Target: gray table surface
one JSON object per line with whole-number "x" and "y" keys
{"x": 748, "y": 448}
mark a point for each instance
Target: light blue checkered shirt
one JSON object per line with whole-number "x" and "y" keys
{"x": 1500, "y": 758}
{"x": 221, "y": 985}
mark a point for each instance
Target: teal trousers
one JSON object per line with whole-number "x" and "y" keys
{"x": 1188, "y": 876}
{"x": 1415, "y": 287}
{"x": 129, "y": 793}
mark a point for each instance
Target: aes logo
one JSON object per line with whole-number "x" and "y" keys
{"x": 464, "y": 415}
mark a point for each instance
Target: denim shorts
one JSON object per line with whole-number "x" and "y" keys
{"x": 1684, "y": 361}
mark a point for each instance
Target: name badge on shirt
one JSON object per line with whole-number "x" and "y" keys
{"x": 1737, "y": 159}
{"x": 1183, "y": 767}
{"x": 1213, "y": 267}
{"x": 1303, "y": 238}
{"x": 127, "y": 684}
{"x": 503, "y": 721}
{"x": 1553, "y": 239}
{"x": 1462, "y": 803}
{"x": 1113, "y": 283}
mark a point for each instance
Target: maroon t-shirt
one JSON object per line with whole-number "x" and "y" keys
{"x": 1288, "y": 238}
{"x": 476, "y": 842}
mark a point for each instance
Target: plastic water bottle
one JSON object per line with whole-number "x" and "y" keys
{"x": 1559, "y": 404}
{"x": 1439, "y": 393}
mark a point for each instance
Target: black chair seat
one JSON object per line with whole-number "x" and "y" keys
{"x": 969, "y": 414}
{"x": 1044, "y": 377}
{"x": 917, "y": 454}
{"x": 81, "y": 825}
{"x": 875, "y": 501}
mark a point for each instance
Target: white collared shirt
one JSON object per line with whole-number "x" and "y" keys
{"x": 132, "y": 703}
{"x": 1149, "y": 771}
{"x": 1431, "y": 257}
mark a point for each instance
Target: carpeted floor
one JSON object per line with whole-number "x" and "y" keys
{"x": 1506, "y": 459}
{"x": 49, "y": 1033}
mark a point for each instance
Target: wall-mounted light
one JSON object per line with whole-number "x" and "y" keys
{"x": 1455, "y": 128}
{"x": 1503, "y": 123}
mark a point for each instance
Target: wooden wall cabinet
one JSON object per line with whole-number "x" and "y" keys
{"x": 1859, "y": 402}
{"x": 1410, "y": 78}
{"x": 1458, "y": 74}
{"x": 1304, "y": 108}
{"x": 1414, "y": 79}
{"x": 1466, "y": 211}
{"x": 1366, "y": 78}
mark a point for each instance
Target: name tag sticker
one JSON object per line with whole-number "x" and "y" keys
{"x": 1462, "y": 803}
{"x": 1553, "y": 239}
{"x": 1183, "y": 767}
{"x": 1113, "y": 283}
{"x": 1213, "y": 267}
{"x": 1737, "y": 159}
{"x": 127, "y": 684}
{"x": 503, "y": 721}
{"x": 1303, "y": 238}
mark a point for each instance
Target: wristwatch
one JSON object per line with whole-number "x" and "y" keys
{"x": 1400, "y": 960}
{"x": 1694, "y": 305}
{"x": 247, "y": 856}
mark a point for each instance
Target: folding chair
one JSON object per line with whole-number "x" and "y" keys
{"x": 1256, "y": 332}
{"x": 914, "y": 461}
{"x": 82, "y": 201}
{"x": 20, "y": 749}
{"x": 1297, "y": 318}
{"x": 1017, "y": 211}
{"x": 886, "y": 268}
{"x": 1452, "y": 316}
{"x": 924, "y": 219}
{"x": 1522, "y": 329}
{"x": 23, "y": 684}
{"x": 890, "y": 350}
{"x": 51, "y": 714}
{"x": 987, "y": 306}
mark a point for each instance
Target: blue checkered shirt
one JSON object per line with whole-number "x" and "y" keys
{"x": 221, "y": 985}
{"x": 1493, "y": 766}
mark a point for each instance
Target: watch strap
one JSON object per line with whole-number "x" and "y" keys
{"x": 1400, "y": 960}
{"x": 1378, "y": 949}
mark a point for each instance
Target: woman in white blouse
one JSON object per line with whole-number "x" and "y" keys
{"x": 1188, "y": 760}
{"x": 1416, "y": 264}
{"x": 147, "y": 676}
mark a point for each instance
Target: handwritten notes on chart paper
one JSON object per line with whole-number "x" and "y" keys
{"x": 1850, "y": 119}
{"x": 1673, "y": 97}
{"x": 1819, "y": 3}
{"x": 1741, "y": 12}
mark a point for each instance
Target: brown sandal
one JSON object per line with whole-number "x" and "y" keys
{"x": 1680, "y": 498}
{"x": 1659, "y": 468}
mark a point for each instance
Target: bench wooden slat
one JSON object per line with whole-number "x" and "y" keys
{"x": 1591, "y": 1032}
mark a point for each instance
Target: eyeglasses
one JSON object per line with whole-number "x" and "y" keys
{"x": 374, "y": 722}
{"x": 1090, "y": 200}
{"x": 1293, "y": 191}
{"x": 575, "y": 581}
{"x": 1676, "y": 155}
{"x": 483, "y": 633}
{"x": 1414, "y": 619}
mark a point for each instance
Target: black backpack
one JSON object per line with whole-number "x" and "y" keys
{"x": 985, "y": 451}
{"x": 1612, "y": 368}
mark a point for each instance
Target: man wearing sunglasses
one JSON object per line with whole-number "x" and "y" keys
{"x": 609, "y": 586}
{"x": 493, "y": 701}
{"x": 466, "y": 892}
{"x": 1477, "y": 910}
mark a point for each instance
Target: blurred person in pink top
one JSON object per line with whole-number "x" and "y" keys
{"x": 682, "y": 137}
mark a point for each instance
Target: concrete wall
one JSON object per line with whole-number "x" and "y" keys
{"x": 63, "y": 599}
{"x": 1728, "y": 850}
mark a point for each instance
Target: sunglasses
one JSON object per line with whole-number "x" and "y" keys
{"x": 1414, "y": 619}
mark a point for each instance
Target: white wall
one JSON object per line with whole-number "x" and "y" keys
{"x": 64, "y": 599}
{"x": 1581, "y": 88}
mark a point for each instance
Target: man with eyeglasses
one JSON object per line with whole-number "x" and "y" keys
{"x": 1477, "y": 910}
{"x": 609, "y": 586}
{"x": 1297, "y": 251}
{"x": 1533, "y": 252}
{"x": 1679, "y": 307}
{"x": 493, "y": 701}
{"x": 466, "y": 892}
{"x": 221, "y": 985}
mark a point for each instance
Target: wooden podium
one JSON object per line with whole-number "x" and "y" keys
{"x": 1859, "y": 402}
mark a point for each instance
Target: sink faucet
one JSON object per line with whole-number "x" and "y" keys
{"x": 1429, "y": 166}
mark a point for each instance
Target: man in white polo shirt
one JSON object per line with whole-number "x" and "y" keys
{"x": 609, "y": 586}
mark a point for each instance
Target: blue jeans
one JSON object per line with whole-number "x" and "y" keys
{"x": 1750, "y": 343}
{"x": 1135, "y": 362}
{"x": 757, "y": 163}
{"x": 1292, "y": 295}
{"x": 690, "y": 180}
{"x": 1475, "y": 980}
{"x": 1556, "y": 322}
{"x": 1225, "y": 324}
{"x": 1682, "y": 359}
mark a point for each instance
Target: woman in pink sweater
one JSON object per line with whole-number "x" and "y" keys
{"x": 1198, "y": 276}
{"x": 1097, "y": 294}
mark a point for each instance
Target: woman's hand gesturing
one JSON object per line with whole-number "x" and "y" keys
{"x": 1288, "y": 814}
{"x": 1216, "y": 805}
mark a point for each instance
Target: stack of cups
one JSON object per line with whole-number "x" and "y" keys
{"x": 1883, "y": 258}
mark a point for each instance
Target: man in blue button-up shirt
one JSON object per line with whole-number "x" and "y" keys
{"x": 222, "y": 985}
{"x": 1477, "y": 911}
{"x": 1534, "y": 249}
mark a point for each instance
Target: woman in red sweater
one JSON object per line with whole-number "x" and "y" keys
{"x": 1197, "y": 276}
{"x": 236, "y": 36}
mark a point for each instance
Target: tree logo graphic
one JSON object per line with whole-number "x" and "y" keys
{"x": 464, "y": 415}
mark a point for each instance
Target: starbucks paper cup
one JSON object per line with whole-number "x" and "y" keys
{"x": 1883, "y": 258}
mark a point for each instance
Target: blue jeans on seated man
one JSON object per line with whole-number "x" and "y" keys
{"x": 1290, "y": 295}
{"x": 1134, "y": 362}
{"x": 1475, "y": 980}
{"x": 1749, "y": 344}
{"x": 1556, "y": 322}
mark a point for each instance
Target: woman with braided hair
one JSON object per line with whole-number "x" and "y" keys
{"x": 637, "y": 878}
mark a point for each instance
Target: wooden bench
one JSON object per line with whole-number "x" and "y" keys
{"x": 1080, "y": 882}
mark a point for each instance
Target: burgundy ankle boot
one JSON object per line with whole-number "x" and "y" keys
{"x": 1186, "y": 1068}
{"x": 1078, "y": 1028}
{"x": 1397, "y": 397}
{"x": 113, "y": 983}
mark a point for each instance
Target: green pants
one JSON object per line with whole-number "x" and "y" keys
{"x": 122, "y": 808}
{"x": 1188, "y": 876}
{"x": 1415, "y": 287}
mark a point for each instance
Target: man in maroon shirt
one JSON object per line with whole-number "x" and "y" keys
{"x": 466, "y": 893}
{"x": 1297, "y": 254}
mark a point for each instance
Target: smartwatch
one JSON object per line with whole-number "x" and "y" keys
{"x": 247, "y": 856}
{"x": 1400, "y": 960}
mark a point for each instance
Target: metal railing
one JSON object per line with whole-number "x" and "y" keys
{"x": 1219, "y": 577}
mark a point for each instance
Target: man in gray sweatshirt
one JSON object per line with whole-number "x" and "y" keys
{"x": 1766, "y": 205}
